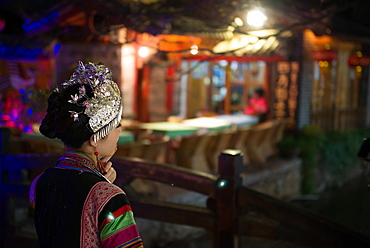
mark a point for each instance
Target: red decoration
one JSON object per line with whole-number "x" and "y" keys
{"x": 170, "y": 87}
{"x": 358, "y": 61}
{"x": 2, "y": 24}
{"x": 324, "y": 55}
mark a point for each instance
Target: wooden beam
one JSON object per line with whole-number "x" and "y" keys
{"x": 174, "y": 213}
{"x": 253, "y": 226}
{"x": 197, "y": 181}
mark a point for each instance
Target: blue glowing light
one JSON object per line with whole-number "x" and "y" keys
{"x": 29, "y": 111}
{"x": 21, "y": 91}
{"x": 42, "y": 24}
{"x": 57, "y": 48}
{"x": 12, "y": 52}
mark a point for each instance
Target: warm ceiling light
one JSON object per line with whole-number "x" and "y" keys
{"x": 253, "y": 39}
{"x": 238, "y": 21}
{"x": 143, "y": 52}
{"x": 263, "y": 32}
{"x": 230, "y": 28}
{"x": 256, "y": 18}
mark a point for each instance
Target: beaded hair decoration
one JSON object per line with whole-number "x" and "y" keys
{"x": 104, "y": 109}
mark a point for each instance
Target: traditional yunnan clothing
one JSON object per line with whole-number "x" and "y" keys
{"x": 76, "y": 206}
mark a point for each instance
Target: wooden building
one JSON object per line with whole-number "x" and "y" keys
{"x": 312, "y": 72}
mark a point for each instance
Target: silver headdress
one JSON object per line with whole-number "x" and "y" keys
{"x": 105, "y": 108}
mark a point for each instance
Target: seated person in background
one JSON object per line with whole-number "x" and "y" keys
{"x": 257, "y": 104}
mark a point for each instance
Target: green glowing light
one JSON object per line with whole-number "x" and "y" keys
{"x": 222, "y": 183}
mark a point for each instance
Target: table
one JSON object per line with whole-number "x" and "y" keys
{"x": 209, "y": 123}
{"x": 170, "y": 129}
{"x": 239, "y": 120}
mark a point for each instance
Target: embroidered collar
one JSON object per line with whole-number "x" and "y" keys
{"x": 78, "y": 161}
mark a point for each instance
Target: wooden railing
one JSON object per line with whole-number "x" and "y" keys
{"x": 232, "y": 210}
{"x": 339, "y": 119}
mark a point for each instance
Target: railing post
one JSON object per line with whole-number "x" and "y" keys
{"x": 5, "y": 149}
{"x": 230, "y": 165}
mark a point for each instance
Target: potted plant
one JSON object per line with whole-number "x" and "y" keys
{"x": 289, "y": 147}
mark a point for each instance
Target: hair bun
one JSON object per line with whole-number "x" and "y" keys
{"x": 54, "y": 102}
{"x": 48, "y": 125}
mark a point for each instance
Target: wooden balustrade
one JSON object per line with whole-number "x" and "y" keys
{"x": 232, "y": 210}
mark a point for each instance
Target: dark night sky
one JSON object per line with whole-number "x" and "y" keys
{"x": 353, "y": 21}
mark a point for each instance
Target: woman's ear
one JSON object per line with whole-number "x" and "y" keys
{"x": 92, "y": 141}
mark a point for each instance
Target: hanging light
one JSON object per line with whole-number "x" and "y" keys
{"x": 256, "y": 18}
{"x": 194, "y": 50}
{"x": 143, "y": 51}
{"x": 238, "y": 21}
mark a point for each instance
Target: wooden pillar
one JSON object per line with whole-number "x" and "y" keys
{"x": 170, "y": 82}
{"x": 367, "y": 115}
{"x": 209, "y": 107}
{"x": 230, "y": 165}
{"x": 143, "y": 94}
{"x": 227, "y": 101}
{"x": 189, "y": 90}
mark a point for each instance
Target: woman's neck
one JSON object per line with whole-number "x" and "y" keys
{"x": 84, "y": 152}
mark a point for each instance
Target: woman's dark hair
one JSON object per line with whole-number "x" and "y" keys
{"x": 259, "y": 91}
{"x": 58, "y": 122}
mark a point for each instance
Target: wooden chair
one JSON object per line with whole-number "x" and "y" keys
{"x": 216, "y": 144}
{"x": 190, "y": 152}
{"x": 257, "y": 146}
{"x": 277, "y": 135}
{"x": 269, "y": 143}
{"x": 238, "y": 142}
{"x": 147, "y": 149}
{"x": 174, "y": 119}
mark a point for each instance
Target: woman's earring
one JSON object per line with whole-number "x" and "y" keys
{"x": 100, "y": 165}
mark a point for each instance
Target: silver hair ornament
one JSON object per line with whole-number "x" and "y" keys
{"x": 104, "y": 109}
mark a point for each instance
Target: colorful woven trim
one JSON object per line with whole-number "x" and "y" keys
{"x": 77, "y": 161}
